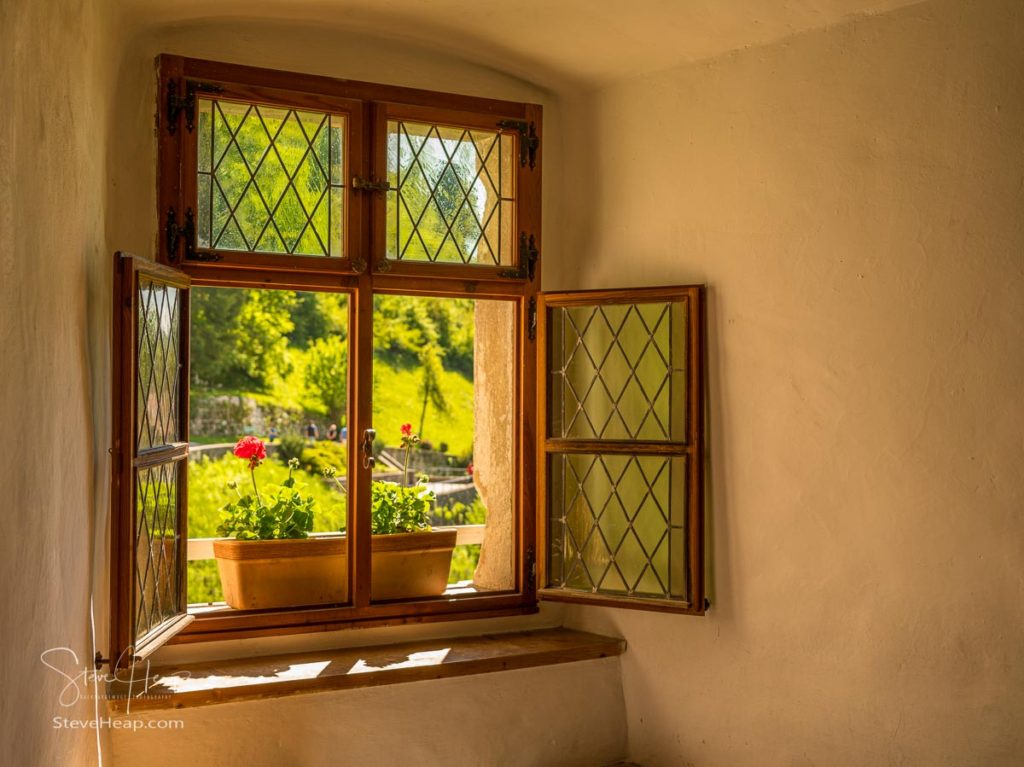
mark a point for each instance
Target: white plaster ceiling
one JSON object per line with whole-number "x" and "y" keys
{"x": 585, "y": 42}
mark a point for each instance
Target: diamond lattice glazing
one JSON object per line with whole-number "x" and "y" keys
{"x": 158, "y": 376}
{"x": 452, "y": 195}
{"x": 156, "y": 540}
{"x": 620, "y": 527}
{"x": 618, "y": 372}
{"x": 270, "y": 180}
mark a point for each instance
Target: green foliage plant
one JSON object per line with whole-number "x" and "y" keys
{"x": 291, "y": 446}
{"x": 324, "y": 454}
{"x": 397, "y": 509}
{"x": 285, "y": 514}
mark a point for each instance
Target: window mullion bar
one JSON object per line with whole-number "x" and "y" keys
{"x": 360, "y": 419}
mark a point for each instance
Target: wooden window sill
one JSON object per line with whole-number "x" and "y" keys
{"x": 273, "y": 676}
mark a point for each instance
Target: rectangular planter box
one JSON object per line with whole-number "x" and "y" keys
{"x": 312, "y": 571}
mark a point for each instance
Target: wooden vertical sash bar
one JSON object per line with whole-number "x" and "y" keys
{"x": 696, "y": 365}
{"x": 361, "y": 377}
{"x": 122, "y": 409}
{"x": 184, "y": 345}
{"x": 531, "y": 334}
{"x": 540, "y": 419}
{"x": 360, "y": 419}
{"x": 376, "y": 203}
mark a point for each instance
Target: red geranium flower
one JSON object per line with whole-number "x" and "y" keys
{"x": 251, "y": 448}
{"x": 406, "y": 429}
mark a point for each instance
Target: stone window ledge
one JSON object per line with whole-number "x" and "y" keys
{"x": 212, "y": 682}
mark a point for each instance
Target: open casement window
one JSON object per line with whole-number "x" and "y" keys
{"x": 621, "y": 449}
{"x": 150, "y": 456}
{"x": 407, "y": 222}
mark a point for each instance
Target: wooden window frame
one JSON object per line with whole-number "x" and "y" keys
{"x": 126, "y": 459}
{"x": 362, "y": 274}
{"x": 691, "y": 446}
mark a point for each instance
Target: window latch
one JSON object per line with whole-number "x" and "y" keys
{"x": 369, "y": 185}
{"x": 367, "y": 447}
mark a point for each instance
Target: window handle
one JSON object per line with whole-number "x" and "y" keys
{"x": 367, "y": 447}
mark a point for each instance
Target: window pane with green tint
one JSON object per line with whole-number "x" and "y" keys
{"x": 272, "y": 364}
{"x": 452, "y": 194}
{"x": 157, "y": 574}
{"x": 618, "y": 371}
{"x": 270, "y": 180}
{"x": 446, "y": 369}
{"x": 617, "y": 524}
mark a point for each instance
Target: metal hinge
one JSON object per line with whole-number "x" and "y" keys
{"x": 369, "y": 185}
{"x": 186, "y": 232}
{"x": 531, "y": 319}
{"x": 528, "y": 257}
{"x": 173, "y": 232}
{"x": 176, "y": 104}
{"x": 531, "y": 568}
{"x": 529, "y": 141}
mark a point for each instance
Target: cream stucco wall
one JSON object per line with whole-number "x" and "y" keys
{"x": 853, "y": 197}
{"x": 54, "y": 282}
{"x": 476, "y": 721}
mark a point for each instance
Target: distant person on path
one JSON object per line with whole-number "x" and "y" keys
{"x": 312, "y": 433}
{"x": 272, "y": 434}
{"x": 332, "y": 432}
{"x": 343, "y": 435}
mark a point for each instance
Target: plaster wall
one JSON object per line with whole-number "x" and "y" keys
{"x": 574, "y": 718}
{"x": 55, "y": 88}
{"x": 852, "y": 197}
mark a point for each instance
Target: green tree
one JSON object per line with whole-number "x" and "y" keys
{"x": 317, "y": 315}
{"x": 260, "y": 335}
{"x": 326, "y": 368}
{"x": 247, "y": 346}
{"x": 431, "y": 389}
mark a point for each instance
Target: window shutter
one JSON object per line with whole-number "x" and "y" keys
{"x": 622, "y": 462}
{"x": 150, "y": 457}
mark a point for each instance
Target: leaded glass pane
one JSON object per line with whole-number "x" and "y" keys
{"x": 617, "y": 524}
{"x": 452, "y": 194}
{"x": 157, "y": 581}
{"x": 158, "y": 375}
{"x": 618, "y": 371}
{"x": 270, "y": 180}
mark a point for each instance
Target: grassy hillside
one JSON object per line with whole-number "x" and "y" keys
{"x": 397, "y": 400}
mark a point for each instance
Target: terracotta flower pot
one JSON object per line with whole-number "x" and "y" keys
{"x": 282, "y": 573}
{"x": 311, "y": 571}
{"x": 408, "y": 565}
